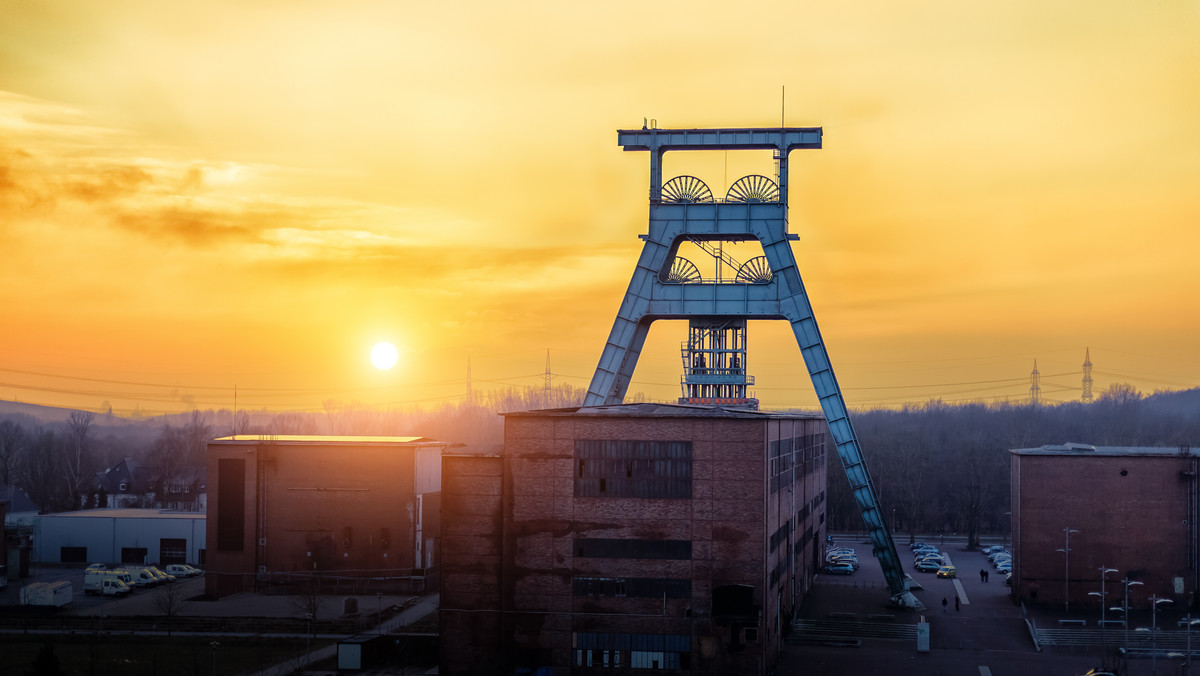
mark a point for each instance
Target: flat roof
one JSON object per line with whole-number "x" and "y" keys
{"x": 653, "y": 410}
{"x": 129, "y": 513}
{"x": 1072, "y": 448}
{"x": 323, "y": 439}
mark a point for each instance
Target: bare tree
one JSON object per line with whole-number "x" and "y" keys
{"x": 12, "y": 437}
{"x": 40, "y": 469}
{"x": 169, "y": 602}
{"x": 77, "y": 465}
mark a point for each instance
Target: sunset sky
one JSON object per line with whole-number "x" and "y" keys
{"x": 198, "y": 196}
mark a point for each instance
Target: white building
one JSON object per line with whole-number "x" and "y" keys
{"x": 131, "y": 536}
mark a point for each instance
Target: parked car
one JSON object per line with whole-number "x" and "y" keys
{"x": 947, "y": 572}
{"x": 927, "y": 566}
{"x": 936, "y": 558}
{"x": 838, "y": 569}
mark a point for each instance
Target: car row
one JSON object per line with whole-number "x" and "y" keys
{"x": 99, "y": 578}
{"x": 840, "y": 561}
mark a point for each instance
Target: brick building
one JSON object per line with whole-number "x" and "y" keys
{"x": 639, "y": 536}
{"x": 1131, "y": 509}
{"x": 287, "y": 508}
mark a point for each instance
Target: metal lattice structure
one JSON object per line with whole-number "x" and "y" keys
{"x": 663, "y": 287}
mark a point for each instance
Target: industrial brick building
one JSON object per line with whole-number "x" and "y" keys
{"x": 623, "y": 537}
{"x": 1132, "y": 509}
{"x": 297, "y": 508}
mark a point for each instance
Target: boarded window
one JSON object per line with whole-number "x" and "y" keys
{"x": 73, "y": 555}
{"x": 632, "y": 587}
{"x": 633, "y": 469}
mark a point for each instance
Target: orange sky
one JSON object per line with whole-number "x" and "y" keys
{"x": 194, "y": 197}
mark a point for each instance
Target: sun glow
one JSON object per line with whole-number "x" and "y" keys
{"x": 384, "y": 356}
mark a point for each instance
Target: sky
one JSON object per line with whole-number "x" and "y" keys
{"x": 198, "y": 197}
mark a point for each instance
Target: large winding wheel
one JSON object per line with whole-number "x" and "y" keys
{"x": 686, "y": 190}
{"x": 753, "y": 188}
{"x": 683, "y": 271}
{"x": 754, "y": 271}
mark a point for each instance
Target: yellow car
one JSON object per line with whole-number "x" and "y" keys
{"x": 947, "y": 571}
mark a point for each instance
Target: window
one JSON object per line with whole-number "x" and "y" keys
{"x": 617, "y": 548}
{"x": 633, "y": 469}
{"x": 643, "y": 651}
{"x": 632, "y": 587}
{"x": 231, "y": 504}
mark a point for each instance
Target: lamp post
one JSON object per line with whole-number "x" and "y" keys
{"x": 307, "y": 636}
{"x": 1128, "y": 583}
{"x": 1066, "y": 550}
{"x": 1187, "y": 660}
{"x": 1155, "y": 602}
{"x": 214, "y": 645}
{"x": 379, "y": 612}
{"x": 1102, "y": 593}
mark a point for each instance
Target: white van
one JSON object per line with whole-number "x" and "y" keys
{"x": 105, "y": 583}
{"x": 143, "y": 578}
{"x": 95, "y": 582}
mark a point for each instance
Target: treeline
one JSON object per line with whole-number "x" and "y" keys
{"x": 939, "y": 468}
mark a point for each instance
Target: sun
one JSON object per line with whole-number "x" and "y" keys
{"x": 384, "y": 356}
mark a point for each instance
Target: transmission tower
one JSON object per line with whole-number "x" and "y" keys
{"x": 469, "y": 394}
{"x": 1035, "y": 385}
{"x": 1087, "y": 376}
{"x": 549, "y": 383}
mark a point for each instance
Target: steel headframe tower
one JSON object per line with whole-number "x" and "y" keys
{"x": 665, "y": 286}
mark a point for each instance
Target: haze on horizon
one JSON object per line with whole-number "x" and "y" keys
{"x": 202, "y": 196}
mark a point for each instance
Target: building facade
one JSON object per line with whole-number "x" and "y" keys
{"x": 130, "y": 536}
{"x": 1132, "y": 509}
{"x": 298, "y": 508}
{"x": 631, "y": 537}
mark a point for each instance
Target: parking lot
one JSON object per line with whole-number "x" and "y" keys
{"x": 983, "y": 635}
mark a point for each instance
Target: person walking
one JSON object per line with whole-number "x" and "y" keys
{"x": 957, "y": 603}
{"x": 982, "y": 575}
{"x": 944, "y": 602}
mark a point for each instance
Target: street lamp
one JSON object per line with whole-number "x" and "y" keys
{"x": 1187, "y": 661}
{"x": 214, "y": 645}
{"x": 1066, "y": 550}
{"x": 1102, "y": 593}
{"x": 307, "y": 637}
{"x": 1155, "y": 602}
{"x": 379, "y": 612}
{"x": 1125, "y": 609}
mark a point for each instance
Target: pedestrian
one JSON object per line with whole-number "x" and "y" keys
{"x": 944, "y": 602}
{"x": 986, "y": 575}
{"x": 957, "y": 603}
{"x": 982, "y": 575}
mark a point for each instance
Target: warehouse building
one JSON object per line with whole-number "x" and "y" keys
{"x": 639, "y": 536}
{"x": 1078, "y": 508}
{"x": 131, "y": 536}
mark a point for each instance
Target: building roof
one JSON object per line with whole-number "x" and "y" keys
{"x": 327, "y": 440}
{"x": 656, "y": 410}
{"x": 128, "y": 513}
{"x": 1072, "y": 448}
